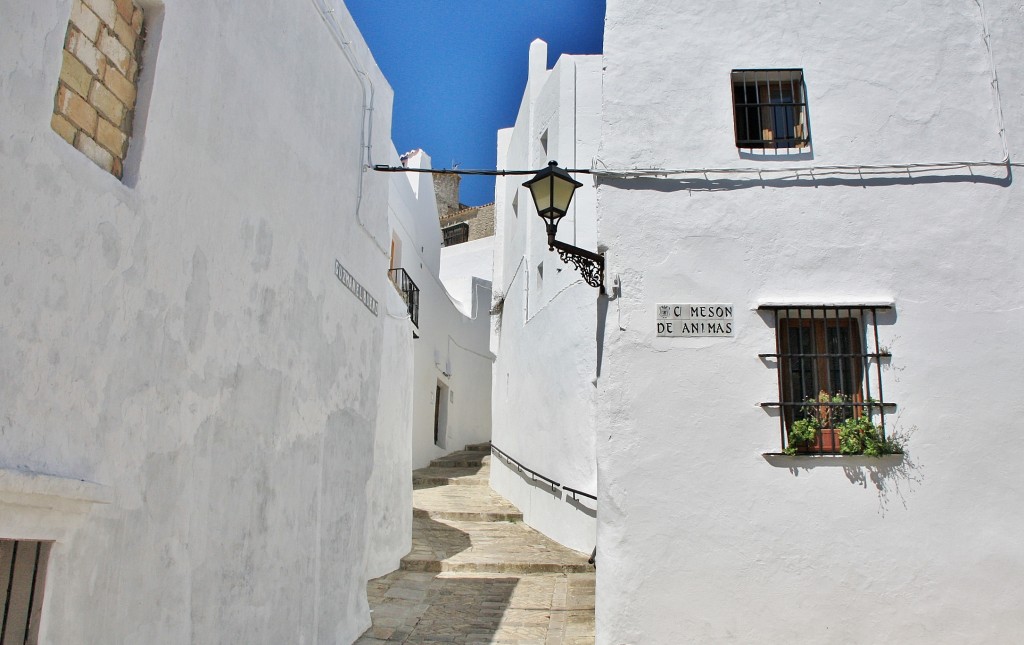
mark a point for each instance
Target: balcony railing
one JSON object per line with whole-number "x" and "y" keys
{"x": 410, "y": 292}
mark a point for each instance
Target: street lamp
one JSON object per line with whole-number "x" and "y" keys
{"x": 552, "y": 189}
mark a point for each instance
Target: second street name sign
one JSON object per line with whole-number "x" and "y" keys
{"x": 695, "y": 319}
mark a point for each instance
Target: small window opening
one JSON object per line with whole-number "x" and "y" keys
{"x": 770, "y": 109}
{"x": 829, "y": 373}
{"x": 455, "y": 234}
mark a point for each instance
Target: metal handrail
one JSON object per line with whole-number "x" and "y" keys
{"x": 536, "y": 475}
{"x": 576, "y": 492}
{"x": 521, "y": 467}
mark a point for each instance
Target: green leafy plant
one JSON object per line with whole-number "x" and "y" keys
{"x": 819, "y": 412}
{"x": 802, "y": 433}
{"x": 859, "y": 435}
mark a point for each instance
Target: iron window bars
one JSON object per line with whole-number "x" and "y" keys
{"x": 770, "y": 108}
{"x": 826, "y": 371}
{"x": 410, "y": 292}
{"x": 455, "y": 234}
{"x": 22, "y": 578}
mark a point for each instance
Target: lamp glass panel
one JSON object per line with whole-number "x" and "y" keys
{"x": 541, "y": 191}
{"x": 563, "y": 194}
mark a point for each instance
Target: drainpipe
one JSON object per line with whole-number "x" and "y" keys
{"x": 366, "y": 131}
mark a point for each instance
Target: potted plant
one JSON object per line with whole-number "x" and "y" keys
{"x": 818, "y": 430}
{"x": 858, "y": 435}
{"x": 824, "y": 430}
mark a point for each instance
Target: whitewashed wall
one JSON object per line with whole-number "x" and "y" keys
{"x": 182, "y": 339}
{"x": 465, "y": 269}
{"x": 389, "y": 490}
{"x": 701, "y": 538}
{"x": 546, "y": 337}
{"x": 452, "y": 348}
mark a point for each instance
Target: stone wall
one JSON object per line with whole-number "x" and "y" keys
{"x": 479, "y": 218}
{"x": 446, "y": 192}
{"x": 95, "y": 99}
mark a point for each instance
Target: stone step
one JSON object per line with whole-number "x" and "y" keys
{"x": 470, "y": 516}
{"x": 478, "y": 447}
{"x": 461, "y": 459}
{"x": 431, "y": 477}
{"x": 487, "y": 547}
{"x": 478, "y": 503}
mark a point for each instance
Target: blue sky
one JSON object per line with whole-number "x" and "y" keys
{"x": 458, "y": 68}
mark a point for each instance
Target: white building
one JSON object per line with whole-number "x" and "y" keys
{"x": 546, "y": 372}
{"x": 195, "y": 421}
{"x": 452, "y": 366}
{"x": 737, "y": 116}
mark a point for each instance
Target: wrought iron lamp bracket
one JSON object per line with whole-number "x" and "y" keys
{"x": 589, "y": 264}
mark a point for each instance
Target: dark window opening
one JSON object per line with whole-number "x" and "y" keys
{"x": 828, "y": 374}
{"x": 455, "y": 234}
{"x": 770, "y": 109}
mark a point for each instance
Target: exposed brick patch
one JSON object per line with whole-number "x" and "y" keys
{"x": 95, "y": 100}
{"x": 66, "y": 129}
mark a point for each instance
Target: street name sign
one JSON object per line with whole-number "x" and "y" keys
{"x": 695, "y": 320}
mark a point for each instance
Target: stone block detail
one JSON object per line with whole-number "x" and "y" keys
{"x": 86, "y": 21}
{"x": 94, "y": 105}
{"x": 100, "y": 156}
{"x": 105, "y": 9}
{"x": 66, "y": 129}
{"x": 450, "y": 211}
{"x": 480, "y": 220}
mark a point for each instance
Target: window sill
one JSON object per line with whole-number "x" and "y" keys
{"x": 28, "y": 488}
{"x": 782, "y": 460}
{"x": 37, "y": 506}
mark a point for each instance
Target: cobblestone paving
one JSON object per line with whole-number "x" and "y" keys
{"x": 475, "y": 577}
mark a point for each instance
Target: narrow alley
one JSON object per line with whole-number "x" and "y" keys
{"x": 476, "y": 573}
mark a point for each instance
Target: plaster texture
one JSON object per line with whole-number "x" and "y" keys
{"x": 465, "y": 268}
{"x": 389, "y": 490}
{"x": 451, "y": 350}
{"x": 546, "y": 335}
{"x": 700, "y": 537}
{"x": 181, "y": 340}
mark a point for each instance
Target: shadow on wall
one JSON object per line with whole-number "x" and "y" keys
{"x": 1001, "y": 176}
{"x": 577, "y": 502}
{"x": 893, "y": 476}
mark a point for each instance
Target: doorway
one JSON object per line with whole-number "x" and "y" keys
{"x": 440, "y": 414}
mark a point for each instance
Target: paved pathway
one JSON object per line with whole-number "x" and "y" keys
{"x": 476, "y": 574}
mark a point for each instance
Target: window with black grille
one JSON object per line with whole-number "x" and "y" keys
{"x": 455, "y": 234}
{"x": 770, "y": 108}
{"x": 829, "y": 371}
{"x": 22, "y": 577}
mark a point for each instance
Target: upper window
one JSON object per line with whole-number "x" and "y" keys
{"x": 455, "y": 234}
{"x": 830, "y": 380}
{"x": 770, "y": 108}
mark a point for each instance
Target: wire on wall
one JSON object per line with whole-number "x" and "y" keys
{"x": 366, "y": 131}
